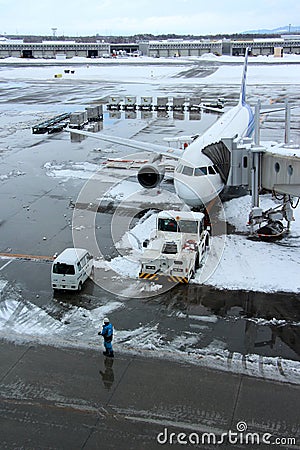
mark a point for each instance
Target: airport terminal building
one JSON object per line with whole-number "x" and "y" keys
{"x": 286, "y": 44}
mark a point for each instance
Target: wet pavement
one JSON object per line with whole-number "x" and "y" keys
{"x": 185, "y": 321}
{"x": 82, "y": 400}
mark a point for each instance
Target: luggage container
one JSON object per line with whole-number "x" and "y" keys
{"x": 162, "y": 104}
{"x": 130, "y": 102}
{"x": 146, "y": 103}
{"x": 94, "y": 113}
{"x": 78, "y": 119}
{"x": 178, "y": 104}
{"x": 114, "y": 102}
{"x": 194, "y": 104}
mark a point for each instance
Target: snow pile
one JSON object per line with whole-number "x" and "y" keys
{"x": 125, "y": 266}
{"x": 142, "y": 338}
{"x": 82, "y": 171}
{"x": 123, "y": 190}
{"x": 143, "y": 229}
{"x": 11, "y": 174}
{"x": 3, "y": 285}
{"x": 261, "y": 59}
{"x": 22, "y": 319}
{"x": 275, "y": 269}
{"x": 25, "y": 318}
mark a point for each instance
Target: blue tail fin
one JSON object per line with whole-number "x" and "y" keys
{"x": 242, "y": 99}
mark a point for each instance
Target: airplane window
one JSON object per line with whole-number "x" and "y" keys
{"x": 187, "y": 171}
{"x": 211, "y": 170}
{"x": 199, "y": 171}
{"x": 179, "y": 168}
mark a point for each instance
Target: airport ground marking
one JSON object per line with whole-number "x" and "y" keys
{"x": 12, "y": 256}
{"x": 5, "y": 265}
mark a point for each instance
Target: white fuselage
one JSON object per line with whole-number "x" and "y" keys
{"x": 198, "y": 187}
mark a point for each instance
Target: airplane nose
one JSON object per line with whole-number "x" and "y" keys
{"x": 187, "y": 194}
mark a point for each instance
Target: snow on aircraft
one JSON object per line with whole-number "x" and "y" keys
{"x": 202, "y": 169}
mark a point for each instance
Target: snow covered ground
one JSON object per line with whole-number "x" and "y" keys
{"x": 151, "y": 70}
{"x": 150, "y": 60}
{"x": 117, "y": 73}
{"x": 258, "y": 266}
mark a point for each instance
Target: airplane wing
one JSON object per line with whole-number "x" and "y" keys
{"x": 271, "y": 109}
{"x": 212, "y": 109}
{"x": 169, "y": 152}
{"x": 268, "y": 111}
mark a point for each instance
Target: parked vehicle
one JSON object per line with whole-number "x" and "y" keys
{"x": 71, "y": 269}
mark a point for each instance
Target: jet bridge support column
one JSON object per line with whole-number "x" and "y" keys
{"x": 256, "y": 151}
{"x": 287, "y": 130}
{"x": 256, "y": 212}
{"x": 256, "y": 159}
{"x": 257, "y": 123}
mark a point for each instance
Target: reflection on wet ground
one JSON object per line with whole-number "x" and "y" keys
{"x": 107, "y": 374}
{"x": 261, "y": 323}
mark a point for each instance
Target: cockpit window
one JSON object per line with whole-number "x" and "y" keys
{"x": 188, "y": 171}
{"x": 179, "y": 168}
{"x": 199, "y": 171}
{"x": 211, "y": 170}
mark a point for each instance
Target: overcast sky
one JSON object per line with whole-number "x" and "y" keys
{"x": 120, "y": 17}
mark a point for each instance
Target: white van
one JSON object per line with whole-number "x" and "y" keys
{"x": 71, "y": 268}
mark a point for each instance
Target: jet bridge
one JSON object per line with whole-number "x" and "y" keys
{"x": 280, "y": 169}
{"x": 263, "y": 166}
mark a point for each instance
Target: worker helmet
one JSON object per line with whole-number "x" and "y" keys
{"x": 106, "y": 320}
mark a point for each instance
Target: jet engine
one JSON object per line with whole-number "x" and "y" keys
{"x": 150, "y": 175}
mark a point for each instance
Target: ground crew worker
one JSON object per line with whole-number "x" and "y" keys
{"x": 107, "y": 333}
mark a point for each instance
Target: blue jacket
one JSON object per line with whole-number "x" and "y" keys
{"x": 107, "y": 332}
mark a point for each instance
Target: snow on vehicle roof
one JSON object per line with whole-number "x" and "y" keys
{"x": 180, "y": 215}
{"x": 70, "y": 254}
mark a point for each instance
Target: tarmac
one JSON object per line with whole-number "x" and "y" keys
{"x": 62, "y": 398}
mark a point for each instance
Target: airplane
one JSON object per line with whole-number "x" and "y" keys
{"x": 201, "y": 170}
